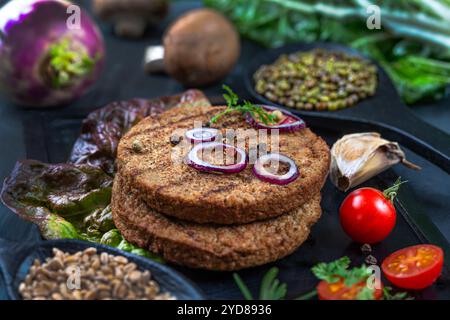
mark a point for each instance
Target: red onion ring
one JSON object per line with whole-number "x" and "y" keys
{"x": 195, "y": 162}
{"x": 197, "y": 135}
{"x": 290, "y": 124}
{"x": 261, "y": 173}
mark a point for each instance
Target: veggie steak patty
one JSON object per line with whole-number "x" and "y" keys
{"x": 206, "y": 246}
{"x": 145, "y": 161}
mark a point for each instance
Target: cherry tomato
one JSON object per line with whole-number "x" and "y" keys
{"x": 367, "y": 216}
{"x": 339, "y": 291}
{"x": 415, "y": 267}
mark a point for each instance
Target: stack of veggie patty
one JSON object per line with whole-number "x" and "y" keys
{"x": 206, "y": 220}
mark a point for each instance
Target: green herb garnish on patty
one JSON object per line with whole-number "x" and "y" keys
{"x": 256, "y": 112}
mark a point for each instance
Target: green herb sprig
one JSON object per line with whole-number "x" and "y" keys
{"x": 391, "y": 192}
{"x": 336, "y": 270}
{"x": 68, "y": 64}
{"x": 413, "y": 45}
{"x": 232, "y": 100}
{"x": 270, "y": 289}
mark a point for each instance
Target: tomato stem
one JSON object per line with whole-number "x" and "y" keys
{"x": 391, "y": 192}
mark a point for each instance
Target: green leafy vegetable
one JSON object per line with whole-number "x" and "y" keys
{"x": 271, "y": 288}
{"x": 112, "y": 238}
{"x": 330, "y": 271}
{"x": 337, "y": 270}
{"x": 56, "y": 227}
{"x": 413, "y": 44}
{"x": 391, "y": 192}
{"x": 233, "y": 105}
{"x": 126, "y": 246}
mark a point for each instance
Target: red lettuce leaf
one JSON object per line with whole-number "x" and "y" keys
{"x": 103, "y": 128}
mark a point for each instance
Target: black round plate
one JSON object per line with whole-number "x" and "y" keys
{"x": 16, "y": 263}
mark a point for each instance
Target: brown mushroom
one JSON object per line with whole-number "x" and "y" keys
{"x": 131, "y": 17}
{"x": 200, "y": 47}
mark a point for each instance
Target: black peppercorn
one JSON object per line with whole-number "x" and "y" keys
{"x": 175, "y": 139}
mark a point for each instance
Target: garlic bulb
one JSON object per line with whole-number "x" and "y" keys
{"x": 357, "y": 157}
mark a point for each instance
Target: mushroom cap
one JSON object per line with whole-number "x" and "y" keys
{"x": 201, "y": 47}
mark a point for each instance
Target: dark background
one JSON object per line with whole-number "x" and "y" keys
{"x": 48, "y": 135}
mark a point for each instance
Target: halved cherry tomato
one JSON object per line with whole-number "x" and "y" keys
{"x": 414, "y": 267}
{"x": 339, "y": 291}
{"x": 367, "y": 216}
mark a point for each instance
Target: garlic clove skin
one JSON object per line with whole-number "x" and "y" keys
{"x": 357, "y": 157}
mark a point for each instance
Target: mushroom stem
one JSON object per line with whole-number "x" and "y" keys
{"x": 130, "y": 26}
{"x": 154, "y": 59}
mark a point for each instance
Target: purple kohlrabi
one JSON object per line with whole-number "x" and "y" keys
{"x": 50, "y": 52}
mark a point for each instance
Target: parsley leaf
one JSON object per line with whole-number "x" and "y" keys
{"x": 356, "y": 275}
{"x": 232, "y": 100}
{"x": 271, "y": 288}
{"x": 365, "y": 293}
{"x": 330, "y": 272}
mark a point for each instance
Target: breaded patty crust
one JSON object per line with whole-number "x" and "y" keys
{"x": 179, "y": 190}
{"x": 205, "y": 246}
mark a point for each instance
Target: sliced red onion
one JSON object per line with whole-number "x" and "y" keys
{"x": 290, "y": 124}
{"x": 197, "y": 135}
{"x": 195, "y": 162}
{"x": 263, "y": 174}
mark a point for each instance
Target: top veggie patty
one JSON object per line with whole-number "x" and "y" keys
{"x": 144, "y": 160}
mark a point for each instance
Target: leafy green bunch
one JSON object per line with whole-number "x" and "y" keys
{"x": 413, "y": 44}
